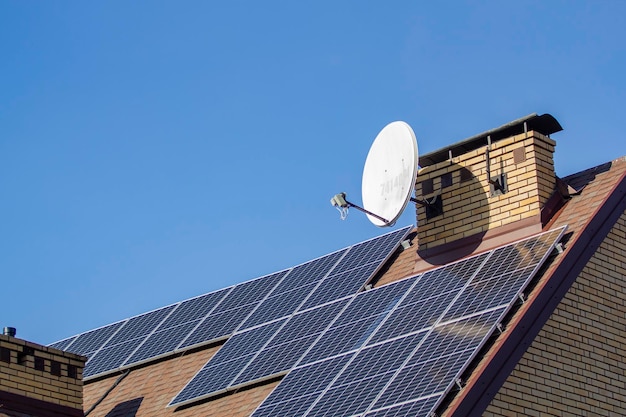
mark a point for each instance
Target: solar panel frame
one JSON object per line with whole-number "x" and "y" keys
{"x": 418, "y": 407}
{"x": 93, "y": 340}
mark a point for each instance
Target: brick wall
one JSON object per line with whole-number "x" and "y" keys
{"x": 576, "y": 364}
{"x": 469, "y": 206}
{"x": 39, "y": 373}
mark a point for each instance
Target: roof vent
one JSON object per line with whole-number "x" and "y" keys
{"x": 9, "y": 331}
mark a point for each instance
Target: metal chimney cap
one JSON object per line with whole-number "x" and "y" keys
{"x": 9, "y": 331}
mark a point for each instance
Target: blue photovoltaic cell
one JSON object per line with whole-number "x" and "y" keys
{"x": 358, "y": 321}
{"x": 110, "y": 358}
{"x": 300, "y": 388}
{"x": 278, "y": 306}
{"x": 290, "y": 342}
{"x": 250, "y": 292}
{"x": 442, "y": 356}
{"x": 307, "y": 323}
{"x": 342, "y": 339}
{"x": 218, "y": 325}
{"x": 93, "y": 340}
{"x": 221, "y": 370}
{"x": 427, "y": 300}
{"x": 177, "y": 326}
{"x": 246, "y": 343}
{"x": 340, "y": 285}
{"x": 374, "y": 302}
{"x": 310, "y": 272}
{"x": 212, "y": 379}
{"x": 63, "y": 344}
{"x": 375, "y": 360}
{"x": 368, "y": 373}
{"x": 274, "y": 360}
{"x": 413, "y": 317}
{"x": 193, "y": 309}
{"x": 161, "y": 342}
{"x": 487, "y": 293}
{"x": 292, "y": 408}
{"x": 139, "y": 326}
{"x": 373, "y": 250}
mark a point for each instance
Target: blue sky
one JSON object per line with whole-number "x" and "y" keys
{"x": 152, "y": 151}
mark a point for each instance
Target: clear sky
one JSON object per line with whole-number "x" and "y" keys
{"x": 152, "y": 151}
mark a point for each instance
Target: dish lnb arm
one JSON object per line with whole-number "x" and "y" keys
{"x": 339, "y": 201}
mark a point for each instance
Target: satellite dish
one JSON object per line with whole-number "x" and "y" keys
{"x": 389, "y": 173}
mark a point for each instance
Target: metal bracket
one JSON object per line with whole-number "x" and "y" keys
{"x": 498, "y": 185}
{"x": 559, "y": 247}
{"x": 500, "y": 328}
{"x": 434, "y": 207}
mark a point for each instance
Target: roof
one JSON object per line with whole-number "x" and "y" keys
{"x": 148, "y": 388}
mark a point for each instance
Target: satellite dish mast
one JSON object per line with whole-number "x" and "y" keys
{"x": 388, "y": 176}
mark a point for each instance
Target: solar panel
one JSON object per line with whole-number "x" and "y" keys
{"x": 160, "y": 342}
{"x": 251, "y": 291}
{"x": 428, "y": 298}
{"x": 300, "y": 388}
{"x": 290, "y": 342}
{"x": 110, "y": 358}
{"x": 193, "y": 309}
{"x": 214, "y": 316}
{"x": 402, "y": 349}
{"x": 218, "y": 325}
{"x": 216, "y": 376}
{"x": 367, "y": 374}
{"x": 138, "y": 326}
{"x": 309, "y": 272}
{"x": 63, "y": 344}
{"x": 340, "y": 285}
{"x": 279, "y": 305}
{"x": 373, "y": 250}
{"x": 437, "y": 361}
{"x": 93, "y": 340}
{"x": 358, "y": 321}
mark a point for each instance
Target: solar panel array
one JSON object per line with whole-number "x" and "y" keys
{"x": 278, "y": 306}
{"x": 399, "y": 349}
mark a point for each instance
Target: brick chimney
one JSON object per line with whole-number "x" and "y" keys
{"x": 491, "y": 180}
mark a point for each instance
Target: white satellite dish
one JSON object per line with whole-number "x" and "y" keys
{"x": 389, "y": 173}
